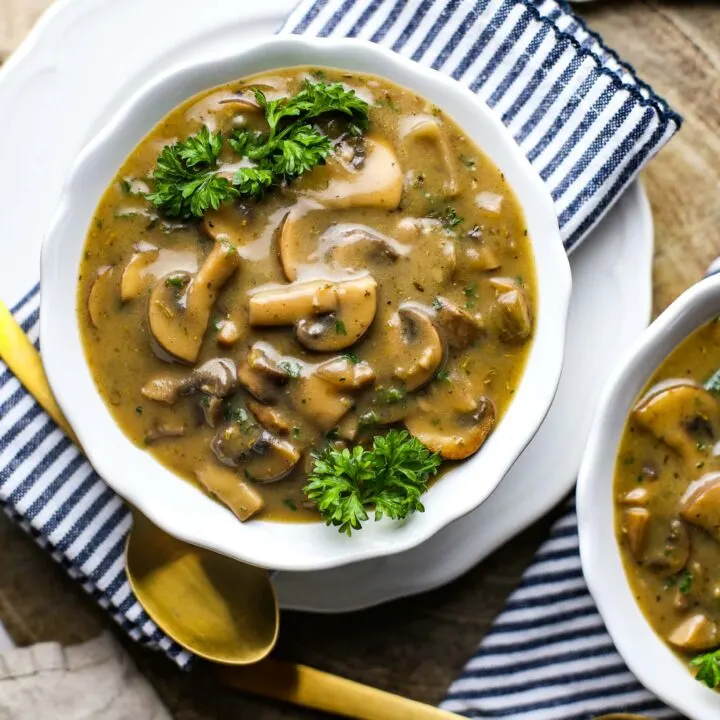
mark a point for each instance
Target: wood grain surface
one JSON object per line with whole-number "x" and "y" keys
{"x": 417, "y": 646}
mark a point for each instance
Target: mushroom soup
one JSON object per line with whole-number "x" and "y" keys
{"x": 667, "y": 495}
{"x": 298, "y": 263}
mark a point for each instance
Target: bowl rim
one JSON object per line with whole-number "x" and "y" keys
{"x": 69, "y": 378}
{"x": 666, "y": 676}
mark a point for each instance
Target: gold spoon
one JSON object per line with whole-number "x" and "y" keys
{"x": 217, "y": 608}
{"x": 622, "y": 716}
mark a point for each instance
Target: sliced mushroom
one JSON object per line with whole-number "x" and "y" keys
{"x": 422, "y": 134}
{"x": 264, "y": 358}
{"x": 228, "y": 332}
{"x": 148, "y": 263}
{"x": 320, "y": 402}
{"x": 287, "y": 304}
{"x": 291, "y": 241}
{"x": 102, "y": 295}
{"x": 634, "y": 524}
{"x": 665, "y": 547}
{"x": 271, "y": 459}
{"x": 234, "y": 442}
{"x": 217, "y": 376}
{"x": 345, "y": 373}
{"x": 456, "y": 435}
{"x": 700, "y": 504}
{"x": 231, "y": 490}
{"x": 417, "y": 343}
{"x": 482, "y": 258}
{"x": 227, "y": 223}
{"x": 697, "y": 632}
{"x": 179, "y": 307}
{"x": 512, "y": 316}
{"x": 682, "y": 414}
{"x": 377, "y": 183}
{"x": 134, "y": 280}
{"x": 163, "y": 430}
{"x": 459, "y": 328}
{"x": 454, "y": 392}
{"x": 271, "y": 418}
{"x": 637, "y": 497}
{"x": 355, "y": 247}
{"x": 327, "y": 315}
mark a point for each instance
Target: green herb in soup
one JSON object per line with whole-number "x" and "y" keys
{"x": 308, "y": 292}
{"x": 667, "y": 494}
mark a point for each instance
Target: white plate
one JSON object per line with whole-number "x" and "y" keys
{"x": 84, "y": 59}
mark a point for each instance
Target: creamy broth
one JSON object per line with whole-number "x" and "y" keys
{"x": 393, "y": 285}
{"x": 667, "y": 493}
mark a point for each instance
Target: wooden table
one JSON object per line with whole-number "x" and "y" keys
{"x": 417, "y": 646}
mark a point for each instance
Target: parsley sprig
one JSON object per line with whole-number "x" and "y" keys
{"x": 708, "y": 668}
{"x": 186, "y": 179}
{"x": 390, "y": 478}
{"x": 186, "y": 175}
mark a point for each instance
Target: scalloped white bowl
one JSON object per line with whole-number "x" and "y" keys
{"x": 178, "y": 507}
{"x": 647, "y": 656}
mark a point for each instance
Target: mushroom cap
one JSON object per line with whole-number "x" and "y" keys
{"x": 342, "y": 328}
{"x": 180, "y": 305}
{"x": 417, "y": 344}
{"x": 700, "y": 505}
{"x": 102, "y": 292}
{"x": 355, "y": 247}
{"x": 512, "y": 316}
{"x": 134, "y": 280}
{"x": 696, "y": 632}
{"x": 663, "y": 545}
{"x": 377, "y": 183}
{"x": 291, "y": 239}
{"x": 459, "y": 328}
{"x": 271, "y": 459}
{"x": 458, "y": 435}
{"x": 419, "y": 134}
{"x": 233, "y": 442}
{"x": 677, "y": 413}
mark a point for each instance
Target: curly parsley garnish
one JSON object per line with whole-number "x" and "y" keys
{"x": 389, "y": 479}
{"x": 186, "y": 175}
{"x": 708, "y": 668}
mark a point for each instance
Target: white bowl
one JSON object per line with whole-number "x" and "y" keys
{"x": 177, "y": 506}
{"x": 647, "y": 656}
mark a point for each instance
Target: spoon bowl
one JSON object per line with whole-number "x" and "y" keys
{"x": 218, "y": 608}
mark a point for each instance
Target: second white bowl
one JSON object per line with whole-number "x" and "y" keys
{"x": 647, "y": 656}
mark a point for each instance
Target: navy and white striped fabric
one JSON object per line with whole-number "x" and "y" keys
{"x": 581, "y": 115}
{"x": 587, "y": 123}
{"x": 548, "y": 655}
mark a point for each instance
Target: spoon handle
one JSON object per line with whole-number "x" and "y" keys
{"x": 20, "y": 355}
{"x": 307, "y": 687}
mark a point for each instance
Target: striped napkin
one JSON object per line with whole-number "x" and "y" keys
{"x": 548, "y": 655}
{"x": 588, "y": 125}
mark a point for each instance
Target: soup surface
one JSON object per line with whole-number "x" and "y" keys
{"x": 304, "y": 260}
{"x": 667, "y": 493}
